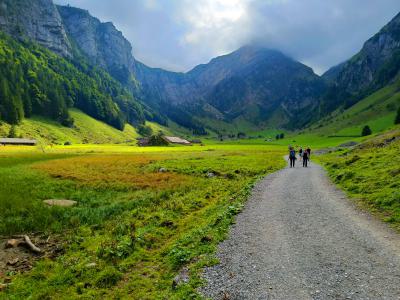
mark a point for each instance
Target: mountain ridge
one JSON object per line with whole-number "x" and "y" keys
{"x": 261, "y": 86}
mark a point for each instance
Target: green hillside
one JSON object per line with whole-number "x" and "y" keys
{"x": 377, "y": 110}
{"x": 85, "y": 130}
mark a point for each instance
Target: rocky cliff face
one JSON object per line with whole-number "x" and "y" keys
{"x": 38, "y": 20}
{"x": 374, "y": 66}
{"x": 102, "y": 43}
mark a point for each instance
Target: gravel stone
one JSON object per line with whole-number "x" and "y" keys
{"x": 299, "y": 237}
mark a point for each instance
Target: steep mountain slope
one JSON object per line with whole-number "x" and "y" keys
{"x": 38, "y": 20}
{"x": 377, "y": 110}
{"x": 257, "y": 83}
{"x": 102, "y": 43}
{"x": 376, "y": 65}
{"x": 35, "y": 81}
{"x": 252, "y": 83}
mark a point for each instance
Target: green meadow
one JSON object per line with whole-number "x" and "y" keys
{"x": 143, "y": 214}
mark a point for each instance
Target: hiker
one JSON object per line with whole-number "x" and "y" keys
{"x": 300, "y": 153}
{"x": 292, "y": 156}
{"x": 308, "y": 150}
{"x": 305, "y": 158}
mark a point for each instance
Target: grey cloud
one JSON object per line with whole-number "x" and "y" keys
{"x": 178, "y": 34}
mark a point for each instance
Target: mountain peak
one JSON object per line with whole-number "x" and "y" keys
{"x": 253, "y": 48}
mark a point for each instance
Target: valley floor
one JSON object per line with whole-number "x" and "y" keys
{"x": 144, "y": 216}
{"x": 300, "y": 238}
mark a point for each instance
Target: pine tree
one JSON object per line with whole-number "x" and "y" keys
{"x": 13, "y": 132}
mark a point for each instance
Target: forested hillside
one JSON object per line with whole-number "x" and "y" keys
{"x": 34, "y": 80}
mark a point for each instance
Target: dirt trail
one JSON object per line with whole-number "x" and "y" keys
{"x": 300, "y": 238}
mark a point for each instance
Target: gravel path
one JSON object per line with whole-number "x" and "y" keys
{"x": 300, "y": 238}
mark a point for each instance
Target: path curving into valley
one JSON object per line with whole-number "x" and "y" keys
{"x": 299, "y": 237}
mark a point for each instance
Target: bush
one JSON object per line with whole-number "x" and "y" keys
{"x": 108, "y": 277}
{"x": 145, "y": 130}
{"x": 241, "y": 135}
{"x": 366, "y": 131}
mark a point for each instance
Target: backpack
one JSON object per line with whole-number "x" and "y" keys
{"x": 292, "y": 153}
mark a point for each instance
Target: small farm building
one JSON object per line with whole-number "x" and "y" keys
{"x": 176, "y": 140}
{"x": 15, "y": 141}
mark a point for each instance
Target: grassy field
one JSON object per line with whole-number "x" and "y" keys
{"x": 370, "y": 174}
{"x": 134, "y": 228}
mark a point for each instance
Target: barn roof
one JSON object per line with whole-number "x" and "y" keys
{"x": 17, "y": 141}
{"x": 176, "y": 140}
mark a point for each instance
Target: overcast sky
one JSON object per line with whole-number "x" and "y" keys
{"x": 179, "y": 34}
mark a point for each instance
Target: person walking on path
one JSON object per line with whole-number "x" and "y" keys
{"x": 292, "y": 156}
{"x": 308, "y": 150}
{"x": 305, "y": 158}
{"x": 300, "y": 153}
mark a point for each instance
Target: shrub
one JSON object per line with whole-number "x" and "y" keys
{"x": 144, "y": 130}
{"x": 241, "y": 135}
{"x": 108, "y": 277}
{"x": 366, "y": 131}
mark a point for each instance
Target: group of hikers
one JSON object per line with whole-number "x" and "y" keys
{"x": 304, "y": 155}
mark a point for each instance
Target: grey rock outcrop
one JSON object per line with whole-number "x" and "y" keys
{"x": 369, "y": 68}
{"x": 102, "y": 43}
{"x": 38, "y": 20}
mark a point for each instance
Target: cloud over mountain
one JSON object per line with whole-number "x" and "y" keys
{"x": 177, "y": 35}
